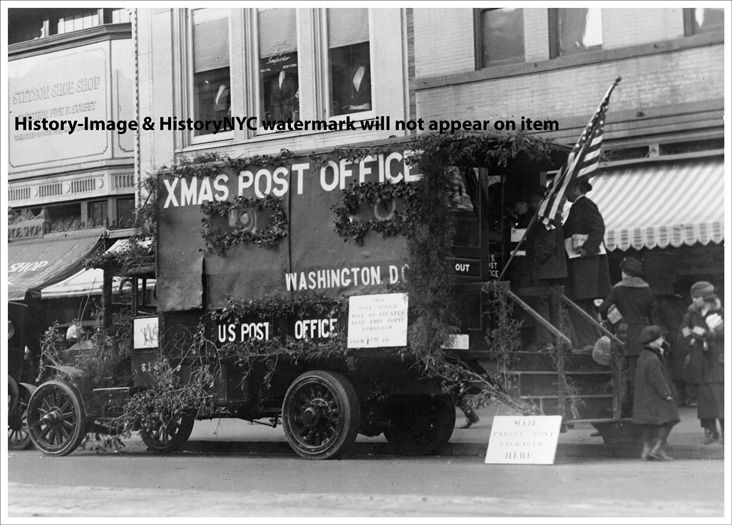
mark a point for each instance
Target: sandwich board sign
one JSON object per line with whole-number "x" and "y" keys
{"x": 523, "y": 440}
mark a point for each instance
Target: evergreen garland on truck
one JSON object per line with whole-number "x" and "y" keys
{"x": 422, "y": 220}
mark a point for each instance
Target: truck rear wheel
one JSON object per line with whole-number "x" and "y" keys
{"x": 320, "y": 415}
{"x": 421, "y": 425}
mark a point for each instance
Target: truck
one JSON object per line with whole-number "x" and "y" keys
{"x": 343, "y": 291}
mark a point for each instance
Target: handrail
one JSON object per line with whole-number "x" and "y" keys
{"x": 538, "y": 317}
{"x": 587, "y": 317}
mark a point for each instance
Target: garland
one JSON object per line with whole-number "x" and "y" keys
{"x": 240, "y": 234}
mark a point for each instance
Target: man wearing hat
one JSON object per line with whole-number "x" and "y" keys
{"x": 703, "y": 330}
{"x": 589, "y": 274}
{"x": 654, "y": 408}
{"x": 629, "y": 308}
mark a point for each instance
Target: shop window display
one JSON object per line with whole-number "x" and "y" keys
{"x": 349, "y": 59}
{"x": 211, "y": 74}
{"x": 278, "y": 64}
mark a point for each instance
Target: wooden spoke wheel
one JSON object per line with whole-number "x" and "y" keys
{"x": 320, "y": 415}
{"x": 56, "y": 419}
{"x": 421, "y": 424}
{"x": 163, "y": 433}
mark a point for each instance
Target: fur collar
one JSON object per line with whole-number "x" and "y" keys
{"x": 713, "y": 307}
{"x": 632, "y": 282}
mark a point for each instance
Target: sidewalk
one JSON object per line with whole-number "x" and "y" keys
{"x": 241, "y": 437}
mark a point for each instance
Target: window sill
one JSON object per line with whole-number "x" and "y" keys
{"x": 570, "y": 61}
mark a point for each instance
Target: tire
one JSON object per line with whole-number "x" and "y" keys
{"x": 421, "y": 425}
{"x": 164, "y": 434}
{"x": 18, "y": 435}
{"x": 56, "y": 419}
{"x": 320, "y": 415}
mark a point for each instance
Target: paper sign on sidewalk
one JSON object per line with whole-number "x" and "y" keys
{"x": 524, "y": 440}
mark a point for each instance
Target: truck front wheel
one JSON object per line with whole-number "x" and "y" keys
{"x": 320, "y": 415}
{"x": 421, "y": 424}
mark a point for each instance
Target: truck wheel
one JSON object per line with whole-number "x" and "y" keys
{"x": 18, "y": 435}
{"x": 163, "y": 433}
{"x": 421, "y": 425}
{"x": 56, "y": 419}
{"x": 320, "y": 415}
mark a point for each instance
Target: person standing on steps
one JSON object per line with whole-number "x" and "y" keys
{"x": 589, "y": 273}
{"x": 703, "y": 330}
{"x": 629, "y": 308}
{"x": 654, "y": 408}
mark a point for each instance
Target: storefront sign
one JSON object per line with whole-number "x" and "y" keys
{"x": 377, "y": 320}
{"x": 146, "y": 332}
{"x": 62, "y": 86}
{"x": 523, "y": 440}
{"x": 26, "y": 229}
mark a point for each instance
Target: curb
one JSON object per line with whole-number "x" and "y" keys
{"x": 264, "y": 448}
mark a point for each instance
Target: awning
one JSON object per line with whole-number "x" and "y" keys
{"x": 657, "y": 205}
{"x": 39, "y": 263}
{"x": 91, "y": 281}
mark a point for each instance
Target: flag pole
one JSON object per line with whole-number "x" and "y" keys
{"x": 536, "y": 212}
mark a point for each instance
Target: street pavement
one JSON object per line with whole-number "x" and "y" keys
{"x": 232, "y": 435}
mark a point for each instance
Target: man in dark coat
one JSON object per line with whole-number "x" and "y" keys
{"x": 589, "y": 274}
{"x": 629, "y": 308}
{"x": 703, "y": 329}
{"x": 653, "y": 403}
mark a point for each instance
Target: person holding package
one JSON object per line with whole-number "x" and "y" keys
{"x": 629, "y": 308}
{"x": 589, "y": 274}
{"x": 703, "y": 329}
{"x": 654, "y": 408}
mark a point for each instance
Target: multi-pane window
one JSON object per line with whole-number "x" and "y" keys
{"x": 350, "y": 61}
{"x": 211, "y": 74}
{"x": 705, "y": 20}
{"x": 97, "y": 213}
{"x": 278, "y": 64}
{"x": 125, "y": 212}
{"x": 575, "y": 30}
{"x": 500, "y": 37}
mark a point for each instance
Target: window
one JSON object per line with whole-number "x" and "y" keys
{"x": 278, "y": 64}
{"x": 697, "y": 21}
{"x": 125, "y": 212}
{"x": 211, "y": 76}
{"x": 97, "y": 213}
{"x": 500, "y": 34}
{"x": 575, "y": 30}
{"x": 350, "y": 61}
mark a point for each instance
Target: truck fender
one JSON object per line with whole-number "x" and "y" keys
{"x": 78, "y": 380}
{"x": 29, "y": 388}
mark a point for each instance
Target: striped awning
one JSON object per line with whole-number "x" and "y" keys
{"x": 660, "y": 205}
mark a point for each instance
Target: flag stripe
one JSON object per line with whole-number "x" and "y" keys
{"x": 582, "y": 161}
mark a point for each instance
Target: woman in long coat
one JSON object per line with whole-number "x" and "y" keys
{"x": 703, "y": 329}
{"x": 653, "y": 403}
{"x": 635, "y": 303}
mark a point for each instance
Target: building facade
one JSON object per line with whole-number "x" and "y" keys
{"x": 67, "y": 192}
{"x": 664, "y": 134}
{"x": 272, "y": 64}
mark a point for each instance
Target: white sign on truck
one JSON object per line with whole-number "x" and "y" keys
{"x": 378, "y": 320}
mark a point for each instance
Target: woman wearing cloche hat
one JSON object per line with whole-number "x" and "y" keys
{"x": 629, "y": 308}
{"x": 703, "y": 330}
{"x": 654, "y": 408}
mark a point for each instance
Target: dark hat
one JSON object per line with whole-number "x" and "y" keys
{"x": 632, "y": 266}
{"x": 583, "y": 184}
{"x": 650, "y": 333}
{"x": 702, "y": 289}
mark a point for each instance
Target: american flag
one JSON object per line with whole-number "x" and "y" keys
{"x": 582, "y": 162}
